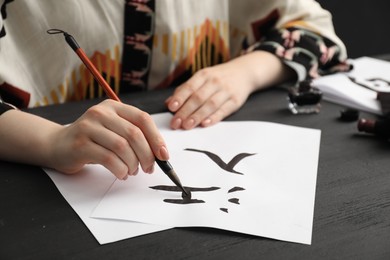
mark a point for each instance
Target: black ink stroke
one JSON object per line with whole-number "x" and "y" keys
{"x": 234, "y": 189}
{"x": 183, "y": 201}
{"x": 224, "y": 210}
{"x": 177, "y": 189}
{"x": 374, "y": 81}
{"x": 234, "y": 200}
{"x": 186, "y": 199}
{"x": 225, "y": 166}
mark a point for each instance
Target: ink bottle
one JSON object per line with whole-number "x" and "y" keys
{"x": 349, "y": 115}
{"x": 304, "y": 99}
{"x": 380, "y": 128}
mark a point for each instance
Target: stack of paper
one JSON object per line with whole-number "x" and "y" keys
{"x": 358, "y": 88}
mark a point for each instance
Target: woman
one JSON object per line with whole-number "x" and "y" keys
{"x": 217, "y": 52}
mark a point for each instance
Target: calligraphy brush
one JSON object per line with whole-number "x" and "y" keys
{"x": 165, "y": 166}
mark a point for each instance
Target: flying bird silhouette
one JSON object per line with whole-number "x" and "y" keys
{"x": 225, "y": 166}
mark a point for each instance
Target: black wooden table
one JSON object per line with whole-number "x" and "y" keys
{"x": 351, "y": 216}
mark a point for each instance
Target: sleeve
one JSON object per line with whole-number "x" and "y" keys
{"x": 3, "y": 15}
{"x": 4, "y": 107}
{"x": 304, "y": 38}
{"x": 307, "y": 53}
{"x": 2, "y": 29}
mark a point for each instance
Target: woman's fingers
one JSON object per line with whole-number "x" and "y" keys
{"x": 208, "y": 103}
{"x": 98, "y": 154}
{"x": 116, "y": 145}
{"x": 115, "y": 135}
{"x": 147, "y": 140}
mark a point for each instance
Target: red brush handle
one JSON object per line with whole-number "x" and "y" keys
{"x": 110, "y": 93}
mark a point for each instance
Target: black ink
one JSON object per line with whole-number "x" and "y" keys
{"x": 177, "y": 189}
{"x": 375, "y": 83}
{"x": 224, "y": 210}
{"x": 235, "y": 189}
{"x": 186, "y": 195}
{"x": 186, "y": 198}
{"x": 184, "y": 201}
{"x": 234, "y": 200}
{"x": 225, "y": 166}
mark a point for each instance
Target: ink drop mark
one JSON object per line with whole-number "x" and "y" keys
{"x": 234, "y": 200}
{"x": 235, "y": 189}
{"x": 224, "y": 210}
{"x": 184, "y": 201}
{"x": 225, "y": 166}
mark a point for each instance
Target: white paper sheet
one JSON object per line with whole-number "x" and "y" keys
{"x": 279, "y": 182}
{"x": 346, "y": 88}
{"x": 84, "y": 191}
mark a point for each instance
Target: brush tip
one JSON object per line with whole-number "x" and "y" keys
{"x": 186, "y": 194}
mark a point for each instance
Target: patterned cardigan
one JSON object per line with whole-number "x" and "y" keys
{"x": 148, "y": 44}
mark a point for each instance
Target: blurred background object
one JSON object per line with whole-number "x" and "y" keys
{"x": 362, "y": 25}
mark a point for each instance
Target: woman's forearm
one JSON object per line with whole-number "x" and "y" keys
{"x": 25, "y": 138}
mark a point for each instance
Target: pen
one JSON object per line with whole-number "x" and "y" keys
{"x": 165, "y": 166}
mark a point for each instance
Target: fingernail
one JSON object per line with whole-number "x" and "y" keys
{"x": 206, "y": 122}
{"x": 134, "y": 172}
{"x": 150, "y": 169}
{"x": 125, "y": 178}
{"x": 190, "y": 123}
{"x": 164, "y": 153}
{"x": 176, "y": 123}
{"x": 174, "y": 106}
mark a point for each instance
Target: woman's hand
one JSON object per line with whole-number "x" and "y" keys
{"x": 216, "y": 92}
{"x": 118, "y": 136}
